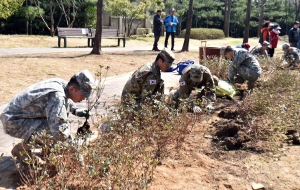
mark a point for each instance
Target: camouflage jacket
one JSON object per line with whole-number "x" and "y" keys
{"x": 244, "y": 58}
{"x": 292, "y": 56}
{"x": 143, "y": 83}
{"x": 43, "y": 101}
{"x": 187, "y": 85}
{"x": 258, "y": 51}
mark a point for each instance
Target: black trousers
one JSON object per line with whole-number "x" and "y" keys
{"x": 271, "y": 52}
{"x": 156, "y": 39}
{"x": 167, "y": 38}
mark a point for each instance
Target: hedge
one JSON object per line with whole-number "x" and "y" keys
{"x": 204, "y": 33}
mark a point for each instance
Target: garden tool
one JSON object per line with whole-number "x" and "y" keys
{"x": 85, "y": 128}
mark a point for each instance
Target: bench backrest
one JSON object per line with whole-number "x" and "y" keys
{"x": 62, "y": 32}
{"x": 106, "y": 32}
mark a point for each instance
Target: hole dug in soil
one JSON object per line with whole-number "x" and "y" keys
{"x": 230, "y": 130}
{"x": 293, "y": 136}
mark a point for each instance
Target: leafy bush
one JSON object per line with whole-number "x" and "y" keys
{"x": 204, "y": 33}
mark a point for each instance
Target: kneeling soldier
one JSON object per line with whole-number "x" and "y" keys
{"x": 196, "y": 76}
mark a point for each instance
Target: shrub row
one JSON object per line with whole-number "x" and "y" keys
{"x": 204, "y": 33}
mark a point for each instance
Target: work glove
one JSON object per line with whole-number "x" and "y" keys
{"x": 209, "y": 107}
{"x": 197, "y": 109}
{"x": 82, "y": 113}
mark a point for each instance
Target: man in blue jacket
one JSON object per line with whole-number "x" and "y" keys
{"x": 171, "y": 22}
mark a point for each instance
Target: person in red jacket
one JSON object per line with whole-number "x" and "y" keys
{"x": 274, "y": 37}
{"x": 265, "y": 32}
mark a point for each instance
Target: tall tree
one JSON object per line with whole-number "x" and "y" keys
{"x": 8, "y": 7}
{"x": 97, "y": 44}
{"x": 185, "y": 46}
{"x": 227, "y": 17}
{"x": 261, "y": 16}
{"x": 247, "y": 22}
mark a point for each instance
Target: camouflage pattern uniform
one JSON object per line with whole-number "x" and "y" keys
{"x": 258, "y": 51}
{"x": 188, "y": 83}
{"x": 146, "y": 81}
{"x": 292, "y": 56}
{"x": 244, "y": 66}
{"x": 44, "y": 105}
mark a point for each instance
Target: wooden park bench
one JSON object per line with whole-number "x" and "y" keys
{"x": 107, "y": 34}
{"x": 64, "y": 33}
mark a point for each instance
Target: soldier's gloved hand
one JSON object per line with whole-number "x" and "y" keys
{"x": 82, "y": 113}
{"x": 209, "y": 107}
{"x": 197, "y": 109}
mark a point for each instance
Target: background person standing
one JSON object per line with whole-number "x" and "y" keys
{"x": 274, "y": 37}
{"x": 157, "y": 23}
{"x": 171, "y": 22}
{"x": 294, "y": 35}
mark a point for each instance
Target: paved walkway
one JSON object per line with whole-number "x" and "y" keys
{"x": 14, "y": 51}
{"x": 113, "y": 89}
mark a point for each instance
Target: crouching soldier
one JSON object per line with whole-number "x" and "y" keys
{"x": 45, "y": 106}
{"x": 146, "y": 82}
{"x": 261, "y": 50}
{"x": 291, "y": 55}
{"x": 196, "y": 76}
{"x": 243, "y": 67}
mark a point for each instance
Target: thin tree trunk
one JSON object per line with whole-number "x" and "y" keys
{"x": 97, "y": 44}
{"x": 227, "y": 17}
{"x": 247, "y": 22}
{"x": 185, "y": 46}
{"x": 297, "y": 6}
{"x": 261, "y": 16}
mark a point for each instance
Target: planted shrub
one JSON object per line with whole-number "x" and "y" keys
{"x": 204, "y": 33}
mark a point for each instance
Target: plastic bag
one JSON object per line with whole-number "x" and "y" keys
{"x": 225, "y": 88}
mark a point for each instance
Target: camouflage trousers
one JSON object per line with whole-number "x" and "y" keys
{"x": 242, "y": 74}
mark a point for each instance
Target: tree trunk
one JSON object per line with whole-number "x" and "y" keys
{"x": 97, "y": 44}
{"x": 185, "y": 46}
{"x": 227, "y": 17}
{"x": 261, "y": 16}
{"x": 297, "y": 6}
{"x": 247, "y": 22}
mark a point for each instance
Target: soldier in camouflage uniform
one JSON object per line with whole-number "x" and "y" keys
{"x": 45, "y": 106}
{"x": 291, "y": 55}
{"x": 196, "y": 76}
{"x": 146, "y": 81}
{"x": 261, "y": 50}
{"x": 243, "y": 67}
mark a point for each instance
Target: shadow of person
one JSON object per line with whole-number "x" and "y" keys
{"x": 9, "y": 175}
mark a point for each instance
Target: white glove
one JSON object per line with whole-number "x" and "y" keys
{"x": 209, "y": 107}
{"x": 197, "y": 109}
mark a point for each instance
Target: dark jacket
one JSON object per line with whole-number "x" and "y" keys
{"x": 157, "y": 22}
{"x": 294, "y": 35}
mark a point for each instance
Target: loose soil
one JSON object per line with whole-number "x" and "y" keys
{"x": 217, "y": 155}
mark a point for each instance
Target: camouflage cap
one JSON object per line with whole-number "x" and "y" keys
{"x": 222, "y": 50}
{"x": 86, "y": 82}
{"x": 266, "y": 43}
{"x": 168, "y": 56}
{"x": 196, "y": 73}
{"x": 285, "y": 46}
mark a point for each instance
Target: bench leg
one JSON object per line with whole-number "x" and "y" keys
{"x": 118, "y": 42}
{"x": 124, "y": 41}
{"x": 65, "y": 42}
{"x": 59, "y": 39}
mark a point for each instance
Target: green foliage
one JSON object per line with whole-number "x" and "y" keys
{"x": 209, "y": 12}
{"x": 204, "y": 33}
{"x": 8, "y": 7}
{"x": 130, "y": 10}
{"x": 30, "y": 12}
